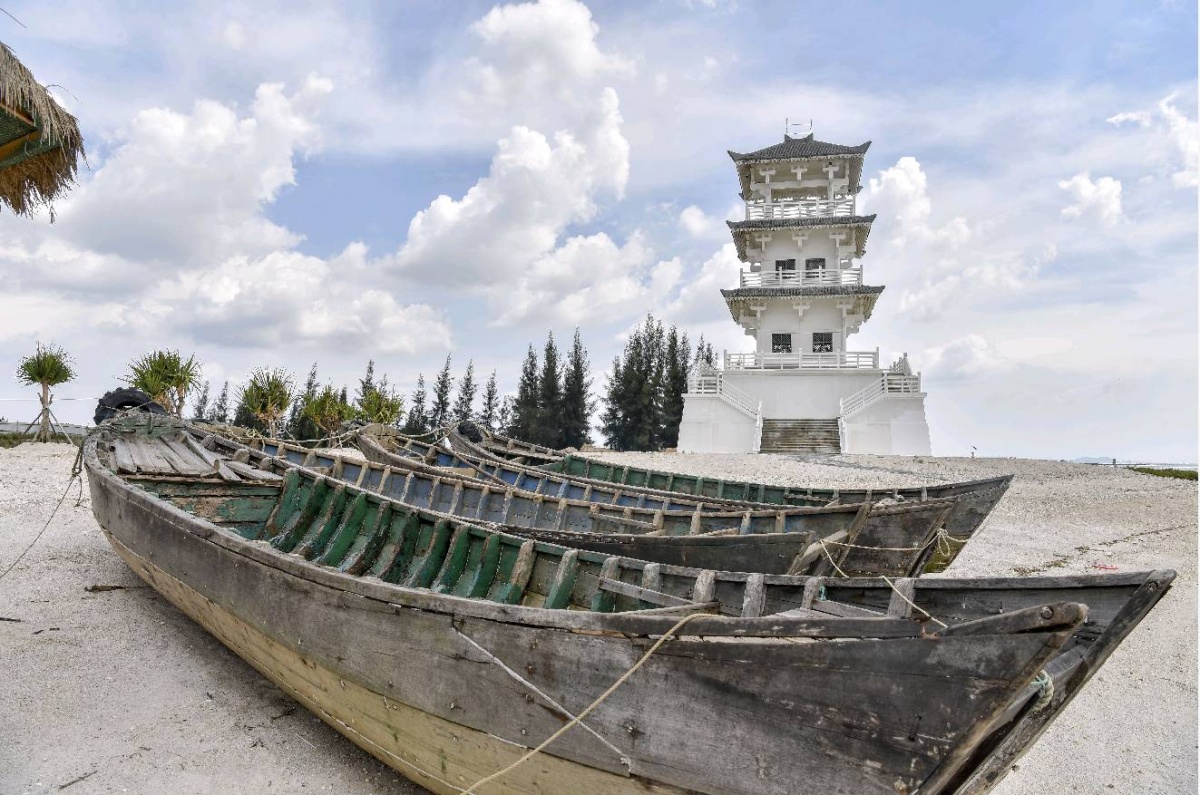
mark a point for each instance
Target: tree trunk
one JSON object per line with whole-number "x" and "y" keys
{"x": 44, "y": 434}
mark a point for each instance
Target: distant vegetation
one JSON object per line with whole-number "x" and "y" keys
{"x": 1182, "y": 474}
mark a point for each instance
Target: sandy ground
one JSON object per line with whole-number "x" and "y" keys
{"x": 115, "y": 691}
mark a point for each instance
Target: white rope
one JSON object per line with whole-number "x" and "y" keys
{"x": 888, "y": 580}
{"x": 624, "y": 678}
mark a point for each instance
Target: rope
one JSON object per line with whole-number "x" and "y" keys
{"x": 624, "y": 678}
{"x": 942, "y": 537}
{"x": 891, "y": 585}
{"x": 76, "y": 470}
{"x": 1045, "y": 688}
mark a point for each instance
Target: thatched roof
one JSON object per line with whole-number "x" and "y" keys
{"x": 40, "y": 142}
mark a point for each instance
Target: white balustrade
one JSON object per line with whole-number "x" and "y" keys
{"x": 888, "y": 385}
{"x": 800, "y": 208}
{"x": 805, "y": 278}
{"x": 792, "y": 361}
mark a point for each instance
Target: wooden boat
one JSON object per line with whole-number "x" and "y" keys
{"x": 508, "y": 448}
{"x": 976, "y": 498}
{"x": 448, "y": 650}
{"x": 863, "y": 539}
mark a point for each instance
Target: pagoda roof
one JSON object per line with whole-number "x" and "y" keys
{"x": 742, "y": 299}
{"x": 805, "y": 148}
{"x": 862, "y": 227}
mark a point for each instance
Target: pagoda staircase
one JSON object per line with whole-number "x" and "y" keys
{"x": 800, "y": 437}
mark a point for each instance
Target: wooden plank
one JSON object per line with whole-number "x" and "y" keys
{"x": 182, "y": 458}
{"x": 641, "y": 594}
{"x": 251, "y": 473}
{"x": 902, "y": 597}
{"x": 755, "y": 598}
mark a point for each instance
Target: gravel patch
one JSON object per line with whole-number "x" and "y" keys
{"x": 118, "y": 687}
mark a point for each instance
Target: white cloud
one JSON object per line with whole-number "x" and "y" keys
{"x": 531, "y": 49}
{"x": 172, "y": 228}
{"x": 188, "y": 188}
{"x": 964, "y": 357}
{"x": 899, "y": 195}
{"x": 1181, "y": 134}
{"x": 1101, "y": 198}
{"x": 534, "y": 189}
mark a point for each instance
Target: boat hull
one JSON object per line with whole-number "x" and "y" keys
{"x": 836, "y": 717}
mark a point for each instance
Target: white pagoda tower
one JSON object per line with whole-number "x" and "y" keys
{"x": 800, "y": 298}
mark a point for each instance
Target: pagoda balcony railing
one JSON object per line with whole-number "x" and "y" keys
{"x": 837, "y": 360}
{"x": 799, "y": 208}
{"x": 806, "y": 278}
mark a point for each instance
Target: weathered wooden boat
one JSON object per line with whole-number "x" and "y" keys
{"x": 507, "y": 447}
{"x": 448, "y": 650}
{"x": 976, "y": 498}
{"x": 863, "y": 539}
{"x": 958, "y": 527}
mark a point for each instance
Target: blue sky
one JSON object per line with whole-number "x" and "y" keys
{"x": 277, "y": 184}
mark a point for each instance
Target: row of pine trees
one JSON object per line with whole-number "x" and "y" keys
{"x": 553, "y": 404}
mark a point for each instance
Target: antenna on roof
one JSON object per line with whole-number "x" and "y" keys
{"x": 799, "y": 127}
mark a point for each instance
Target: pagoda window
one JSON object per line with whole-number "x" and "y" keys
{"x": 814, "y": 264}
{"x": 822, "y": 342}
{"x": 785, "y": 265}
{"x": 781, "y": 343}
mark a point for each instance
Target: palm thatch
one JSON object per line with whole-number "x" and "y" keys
{"x": 40, "y": 142}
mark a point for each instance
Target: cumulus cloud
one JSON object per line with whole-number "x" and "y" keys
{"x": 1100, "y": 198}
{"x": 172, "y": 229}
{"x": 535, "y": 49}
{"x": 936, "y": 263}
{"x": 700, "y": 224}
{"x": 900, "y": 195}
{"x": 1183, "y": 134}
{"x": 535, "y": 188}
{"x": 589, "y": 279}
{"x": 509, "y": 238}
{"x": 185, "y": 188}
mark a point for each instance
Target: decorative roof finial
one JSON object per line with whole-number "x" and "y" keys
{"x": 789, "y": 125}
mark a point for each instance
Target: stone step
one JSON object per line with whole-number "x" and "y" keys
{"x": 799, "y": 436}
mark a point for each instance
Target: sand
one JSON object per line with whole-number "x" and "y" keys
{"x": 116, "y": 691}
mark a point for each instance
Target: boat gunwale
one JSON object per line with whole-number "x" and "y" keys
{"x": 627, "y": 622}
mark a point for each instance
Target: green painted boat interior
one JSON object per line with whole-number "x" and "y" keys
{"x": 334, "y": 524}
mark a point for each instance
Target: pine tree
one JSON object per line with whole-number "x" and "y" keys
{"x": 612, "y": 419}
{"x": 524, "y": 415}
{"x": 200, "y": 409}
{"x": 466, "y": 394}
{"x": 548, "y": 430}
{"x": 675, "y": 378}
{"x": 491, "y": 403}
{"x": 366, "y": 384}
{"x": 439, "y": 410}
{"x": 705, "y": 353}
{"x": 632, "y": 418}
{"x": 417, "y": 421}
{"x": 300, "y": 425}
{"x": 220, "y": 409}
{"x": 577, "y": 403}
{"x": 504, "y": 417}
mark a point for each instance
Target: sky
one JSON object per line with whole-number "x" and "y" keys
{"x": 277, "y": 184}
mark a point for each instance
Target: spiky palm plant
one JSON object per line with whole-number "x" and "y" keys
{"x": 382, "y": 407}
{"x": 166, "y": 377}
{"x": 267, "y": 395}
{"x": 327, "y": 411}
{"x": 49, "y": 366}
